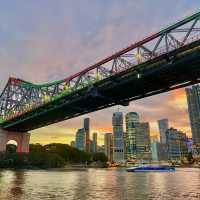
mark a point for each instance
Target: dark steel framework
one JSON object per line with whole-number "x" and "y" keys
{"x": 20, "y": 97}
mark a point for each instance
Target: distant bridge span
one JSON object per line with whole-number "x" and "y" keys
{"x": 164, "y": 61}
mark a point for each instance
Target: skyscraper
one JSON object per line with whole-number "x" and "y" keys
{"x": 143, "y": 143}
{"x": 86, "y": 125}
{"x": 154, "y": 138}
{"x": 163, "y": 125}
{"x": 159, "y": 151}
{"x": 132, "y": 119}
{"x": 94, "y": 142}
{"x": 81, "y": 139}
{"x": 108, "y": 143}
{"x": 193, "y": 100}
{"x": 118, "y": 137}
{"x": 176, "y": 144}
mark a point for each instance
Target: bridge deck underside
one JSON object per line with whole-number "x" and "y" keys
{"x": 170, "y": 71}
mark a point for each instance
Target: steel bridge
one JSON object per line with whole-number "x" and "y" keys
{"x": 164, "y": 61}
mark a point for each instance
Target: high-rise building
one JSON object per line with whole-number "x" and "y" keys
{"x": 163, "y": 125}
{"x": 108, "y": 144}
{"x": 193, "y": 100}
{"x": 73, "y": 144}
{"x": 94, "y": 142}
{"x": 81, "y": 139}
{"x": 118, "y": 137}
{"x": 154, "y": 139}
{"x": 159, "y": 151}
{"x": 124, "y": 139}
{"x": 176, "y": 144}
{"x": 101, "y": 148}
{"x": 86, "y": 125}
{"x": 132, "y": 119}
{"x": 91, "y": 146}
{"x": 196, "y": 152}
{"x": 189, "y": 144}
{"x": 143, "y": 143}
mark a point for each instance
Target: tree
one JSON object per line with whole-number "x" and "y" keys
{"x": 36, "y": 148}
{"x": 99, "y": 156}
{"x": 70, "y": 154}
{"x": 11, "y": 148}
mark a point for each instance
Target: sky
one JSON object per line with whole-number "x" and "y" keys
{"x": 43, "y": 41}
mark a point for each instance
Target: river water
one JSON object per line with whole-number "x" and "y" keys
{"x": 104, "y": 184}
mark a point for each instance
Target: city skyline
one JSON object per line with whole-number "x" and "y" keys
{"x": 63, "y": 37}
{"x": 66, "y": 135}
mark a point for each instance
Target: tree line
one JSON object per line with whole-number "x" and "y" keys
{"x": 54, "y": 155}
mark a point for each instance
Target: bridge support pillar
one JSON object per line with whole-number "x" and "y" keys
{"x": 21, "y": 138}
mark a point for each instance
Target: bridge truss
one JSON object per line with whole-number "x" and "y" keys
{"x": 20, "y": 97}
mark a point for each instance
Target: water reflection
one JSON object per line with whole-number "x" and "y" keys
{"x": 12, "y": 184}
{"x": 18, "y": 181}
{"x": 99, "y": 184}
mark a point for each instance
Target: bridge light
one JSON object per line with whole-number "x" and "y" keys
{"x": 138, "y": 75}
{"x": 66, "y": 87}
{"x": 138, "y": 56}
{"x": 98, "y": 76}
{"x": 46, "y": 98}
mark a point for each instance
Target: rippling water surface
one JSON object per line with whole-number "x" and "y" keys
{"x": 97, "y": 184}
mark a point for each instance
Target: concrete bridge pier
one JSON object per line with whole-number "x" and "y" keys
{"x": 21, "y": 138}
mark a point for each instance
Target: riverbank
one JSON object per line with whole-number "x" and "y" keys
{"x": 83, "y": 167}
